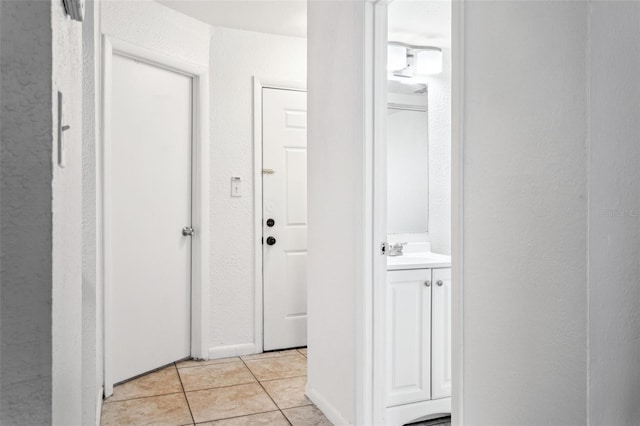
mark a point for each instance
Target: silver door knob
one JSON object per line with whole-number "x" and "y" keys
{"x": 439, "y": 282}
{"x": 188, "y": 231}
{"x": 427, "y": 283}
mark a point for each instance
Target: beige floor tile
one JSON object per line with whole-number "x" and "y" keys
{"x": 159, "y": 382}
{"x": 215, "y": 375}
{"x": 232, "y": 401}
{"x": 287, "y": 393}
{"x": 278, "y": 368}
{"x": 157, "y": 410}
{"x": 201, "y": 362}
{"x": 306, "y": 416}
{"x": 273, "y": 354}
{"x": 274, "y": 418}
{"x": 303, "y": 351}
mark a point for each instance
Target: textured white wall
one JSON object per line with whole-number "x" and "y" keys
{"x": 614, "y": 214}
{"x": 525, "y": 205}
{"x": 336, "y": 141}
{"x": 439, "y": 233}
{"x": 237, "y": 56}
{"x": 67, "y": 221}
{"x": 156, "y": 27}
{"x": 25, "y": 212}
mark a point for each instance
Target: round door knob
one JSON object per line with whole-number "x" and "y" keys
{"x": 271, "y": 241}
{"x": 439, "y": 282}
{"x": 427, "y": 283}
{"x": 270, "y": 222}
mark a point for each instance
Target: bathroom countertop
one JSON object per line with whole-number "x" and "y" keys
{"x": 419, "y": 260}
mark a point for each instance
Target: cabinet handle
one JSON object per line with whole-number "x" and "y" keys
{"x": 439, "y": 283}
{"x": 427, "y": 283}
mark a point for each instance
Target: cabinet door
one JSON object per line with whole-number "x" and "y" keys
{"x": 441, "y": 339}
{"x": 408, "y": 336}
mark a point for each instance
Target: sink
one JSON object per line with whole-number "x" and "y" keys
{"x": 418, "y": 259}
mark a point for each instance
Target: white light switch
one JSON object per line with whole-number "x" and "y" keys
{"x": 236, "y": 186}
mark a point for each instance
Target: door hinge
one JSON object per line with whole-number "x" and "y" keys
{"x": 384, "y": 248}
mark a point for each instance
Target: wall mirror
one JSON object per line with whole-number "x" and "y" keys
{"x": 407, "y": 160}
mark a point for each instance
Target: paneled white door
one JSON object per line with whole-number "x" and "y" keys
{"x": 284, "y": 180}
{"x": 147, "y": 203}
{"x": 408, "y": 363}
{"x": 441, "y": 343}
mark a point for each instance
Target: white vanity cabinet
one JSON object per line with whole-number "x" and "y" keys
{"x": 408, "y": 336}
{"x": 418, "y": 343}
{"x": 441, "y": 333}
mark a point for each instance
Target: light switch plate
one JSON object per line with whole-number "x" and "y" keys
{"x": 236, "y": 186}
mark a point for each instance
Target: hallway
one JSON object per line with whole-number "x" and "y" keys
{"x": 258, "y": 389}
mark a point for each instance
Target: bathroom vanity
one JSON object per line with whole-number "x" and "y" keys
{"x": 418, "y": 335}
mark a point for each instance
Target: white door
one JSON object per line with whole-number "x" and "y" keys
{"x": 284, "y": 217}
{"x": 147, "y": 203}
{"x": 408, "y": 320}
{"x": 441, "y": 343}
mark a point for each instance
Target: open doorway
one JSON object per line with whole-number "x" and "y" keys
{"x": 242, "y": 347}
{"x": 412, "y": 215}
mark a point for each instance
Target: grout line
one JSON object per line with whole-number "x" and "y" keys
{"x": 220, "y": 387}
{"x": 139, "y": 397}
{"x": 184, "y": 393}
{"x": 237, "y": 417}
{"x": 265, "y": 391}
{"x": 282, "y": 378}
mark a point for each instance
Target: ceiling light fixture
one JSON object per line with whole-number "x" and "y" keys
{"x": 406, "y": 61}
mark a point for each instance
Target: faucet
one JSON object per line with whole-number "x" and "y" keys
{"x": 396, "y": 249}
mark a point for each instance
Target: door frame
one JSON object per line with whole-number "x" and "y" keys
{"x": 377, "y": 38}
{"x": 199, "y": 193}
{"x": 258, "y": 85}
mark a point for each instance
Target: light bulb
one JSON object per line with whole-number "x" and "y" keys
{"x": 396, "y": 57}
{"x": 429, "y": 61}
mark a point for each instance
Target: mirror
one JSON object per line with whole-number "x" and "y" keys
{"x": 407, "y": 164}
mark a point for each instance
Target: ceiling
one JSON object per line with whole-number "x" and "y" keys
{"x": 421, "y": 22}
{"x": 283, "y": 17}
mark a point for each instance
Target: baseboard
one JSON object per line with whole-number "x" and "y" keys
{"x": 327, "y": 409}
{"x": 232, "y": 350}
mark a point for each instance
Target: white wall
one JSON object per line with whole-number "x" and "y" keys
{"x": 237, "y": 56}
{"x": 525, "y": 213}
{"x": 67, "y": 221}
{"x": 41, "y": 213}
{"x": 336, "y": 143}
{"x": 439, "y": 106}
{"x": 92, "y": 360}
{"x": 26, "y": 123}
{"x": 614, "y": 214}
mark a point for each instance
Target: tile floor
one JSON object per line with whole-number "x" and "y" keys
{"x": 264, "y": 389}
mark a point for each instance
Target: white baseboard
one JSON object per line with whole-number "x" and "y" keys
{"x": 327, "y": 409}
{"x": 232, "y": 350}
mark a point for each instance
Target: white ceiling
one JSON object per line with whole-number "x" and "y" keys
{"x": 421, "y": 22}
{"x": 284, "y": 17}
